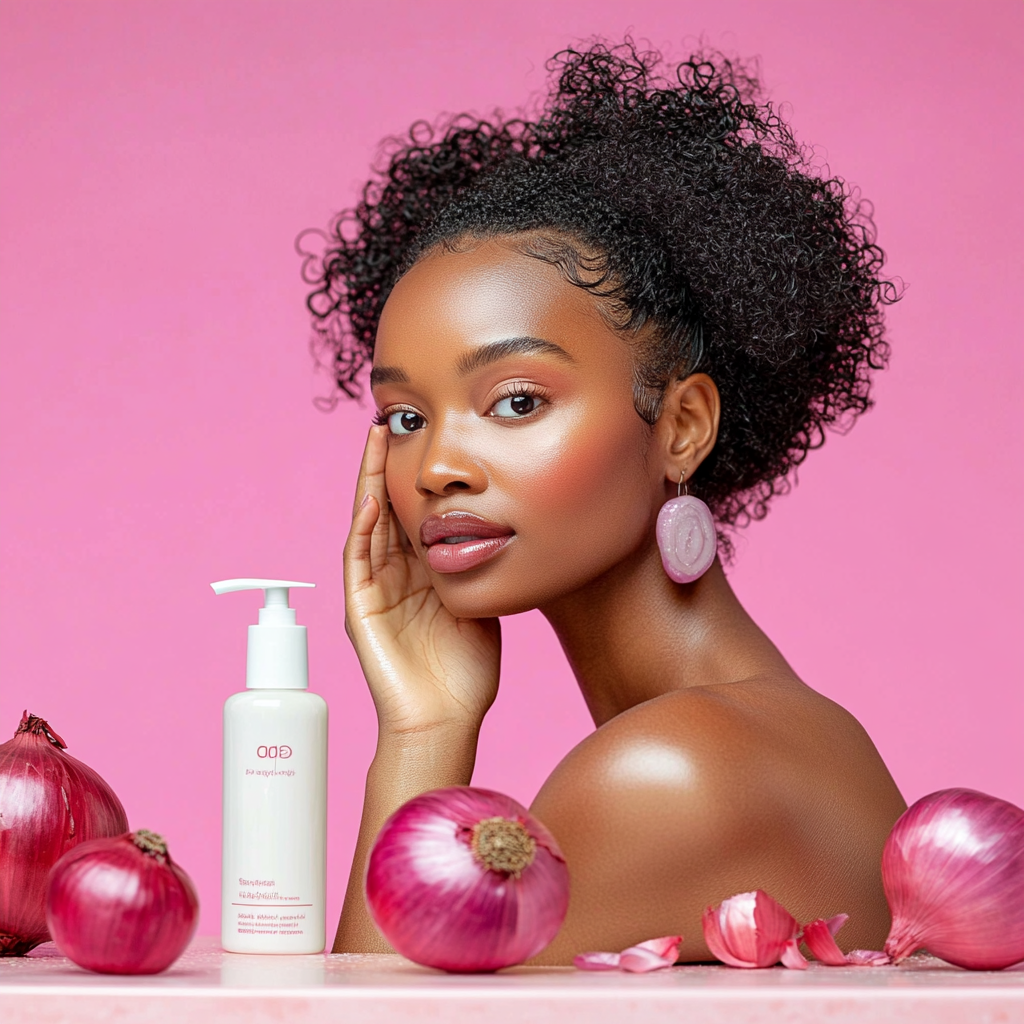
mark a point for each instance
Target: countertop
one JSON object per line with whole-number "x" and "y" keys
{"x": 209, "y": 986}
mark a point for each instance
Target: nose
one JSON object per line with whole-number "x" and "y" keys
{"x": 448, "y": 465}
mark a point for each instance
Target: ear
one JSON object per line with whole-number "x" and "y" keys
{"x": 687, "y": 427}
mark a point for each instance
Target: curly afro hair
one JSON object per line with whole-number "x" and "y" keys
{"x": 681, "y": 200}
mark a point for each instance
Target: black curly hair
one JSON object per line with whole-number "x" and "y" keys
{"x": 684, "y": 202}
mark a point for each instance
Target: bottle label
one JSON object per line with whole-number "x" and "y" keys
{"x": 263, "y": 909}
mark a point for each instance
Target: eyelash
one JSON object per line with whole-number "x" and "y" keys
{"x": 520, "y": 387}
{"x": 510, "y": 390}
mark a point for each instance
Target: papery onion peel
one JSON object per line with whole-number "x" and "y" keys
{"x": 650, "y": 955}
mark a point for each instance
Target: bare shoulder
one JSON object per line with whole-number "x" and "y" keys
{"x": 703, "y": 793}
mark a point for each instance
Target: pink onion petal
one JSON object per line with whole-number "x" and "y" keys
{"x": 644, "y": 957}
{"x": 868, "y": 958}
{"x": 751, "y": 930}
{"x": 820, "y": 938}
{"x": 667, "y": 946}
{"x": 651, "y": 955}
{"x": 792, "y": 957}
{"x": 639, "y": 961}
{"x": 715, "y": 941}
{"x": 775, "y": 926}
{"x": 738, "y": 918}
{"x": 821, "y": 942}
{"x": 596, "y": 961}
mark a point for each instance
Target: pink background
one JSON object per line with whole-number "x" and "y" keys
{"x": 157, "y": 424}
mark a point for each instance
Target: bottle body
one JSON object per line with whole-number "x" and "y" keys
{"x": 275, "y": 822}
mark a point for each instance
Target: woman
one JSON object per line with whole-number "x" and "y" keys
{"x": 572, "y": 321}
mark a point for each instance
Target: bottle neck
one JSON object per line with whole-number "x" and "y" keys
{"x": 277, "y": 657}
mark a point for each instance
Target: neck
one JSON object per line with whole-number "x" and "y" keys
{"x": 633, "y": 634}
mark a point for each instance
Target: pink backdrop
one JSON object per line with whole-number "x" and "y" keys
{"x": 158, "y": 430}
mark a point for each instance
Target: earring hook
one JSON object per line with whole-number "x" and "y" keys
{"x": 679, "y": 488}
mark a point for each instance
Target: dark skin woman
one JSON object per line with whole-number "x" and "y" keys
{"x": 569, "y": 319}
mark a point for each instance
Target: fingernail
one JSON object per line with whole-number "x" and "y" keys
{"x": 362, "y": 504}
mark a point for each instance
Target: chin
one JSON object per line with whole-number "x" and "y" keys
{"x": 496, "y": 590}
{"x": 478, "y": 600}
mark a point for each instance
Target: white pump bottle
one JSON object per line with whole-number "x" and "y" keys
{"x": 275, "y": 789}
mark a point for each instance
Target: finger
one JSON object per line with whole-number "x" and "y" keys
{"x": 372, "y": 481}
{"x": 380, "y": 539}
{"x": 371, "y": 469}
{"x": 358, "y": 568}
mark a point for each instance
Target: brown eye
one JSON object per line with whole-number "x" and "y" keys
{"x": 405, "y": 422}
{"x": 516, "y": 405}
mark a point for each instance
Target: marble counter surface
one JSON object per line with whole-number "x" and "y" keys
{"x": 209, "y": 986}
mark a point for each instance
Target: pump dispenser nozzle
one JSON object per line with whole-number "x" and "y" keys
{"x": 277, "y": 657}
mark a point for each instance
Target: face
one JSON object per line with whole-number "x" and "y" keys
{"x": 517, "y": 464}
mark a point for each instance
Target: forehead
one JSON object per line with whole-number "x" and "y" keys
{"x": 482, "y": 293}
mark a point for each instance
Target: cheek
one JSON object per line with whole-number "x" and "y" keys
{"x": 592, "y": 472}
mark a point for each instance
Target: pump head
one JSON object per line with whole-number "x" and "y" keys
{"x": 278, "y": 653}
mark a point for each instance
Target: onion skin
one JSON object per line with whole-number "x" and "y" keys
{"x": 753, "y": 930}
{"x": 438, "y": 905}
{"x": 652, "y": 955}
{"x": 953, "y": 871}
{"x": 116, "y": 909}
{"x": 49, "y": 803}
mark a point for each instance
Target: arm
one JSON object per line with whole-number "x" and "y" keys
{"x": 432, "y": 677}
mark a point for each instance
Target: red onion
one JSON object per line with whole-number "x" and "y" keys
{"x": 121, "y": 905}
{"x": 466, "y": 880}
{"x": 953, "y": 870}
{"x": 49, "y": 803}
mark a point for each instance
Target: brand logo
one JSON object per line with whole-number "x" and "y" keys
{"x": 276, "y": 751}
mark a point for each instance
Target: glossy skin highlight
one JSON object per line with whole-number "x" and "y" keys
{"x": 505, "y": 395}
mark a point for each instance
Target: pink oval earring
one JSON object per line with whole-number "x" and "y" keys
{"x": 686, "y": 536}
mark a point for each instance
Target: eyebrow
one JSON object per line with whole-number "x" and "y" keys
{"x": 496, "y": 350}
{"x": 482, "y": 356}
{"x": 388, "y": 375}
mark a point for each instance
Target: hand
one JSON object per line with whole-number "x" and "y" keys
{"x": 425, "y": 667}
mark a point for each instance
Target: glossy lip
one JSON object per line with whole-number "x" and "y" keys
{"x": 483, "y": 540}
{"x": 459, "y": 524}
